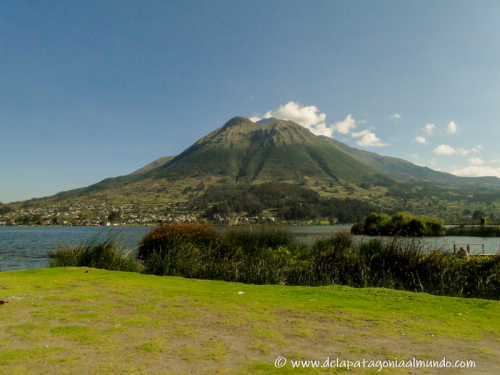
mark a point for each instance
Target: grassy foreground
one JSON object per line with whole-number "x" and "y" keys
{"x": 67, "y": 321}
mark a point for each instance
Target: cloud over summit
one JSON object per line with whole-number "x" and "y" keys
{"x": 311, "y": 118}
{"x": 306, "y": 116}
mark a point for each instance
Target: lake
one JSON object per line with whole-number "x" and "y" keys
{"x": 27, "y": 247}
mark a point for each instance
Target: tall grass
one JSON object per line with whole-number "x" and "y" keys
{"x": 97, "y": 253}
{"x": 258, "y": 255}
{"x": 270, "y": 255}
{"x": 402, "y": 263}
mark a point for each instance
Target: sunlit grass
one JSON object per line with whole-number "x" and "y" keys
{"x": 183, "y": 326}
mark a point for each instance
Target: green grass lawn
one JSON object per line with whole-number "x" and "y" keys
{"x": 69, "y": 321}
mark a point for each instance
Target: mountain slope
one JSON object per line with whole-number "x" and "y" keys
{"x": 394, "y": 167}
{"x": 246, "y": 152}
{"x": 157, "y": 163}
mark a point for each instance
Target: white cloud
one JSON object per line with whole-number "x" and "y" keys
{"x": 429, "y": 128}
{"x": 448, "y": 150}
{"x": 302, "y": 115}
{"x": 452, "y": 127}
{"x": 361, "y": 133}
{"x": 421, "y": 140}
{"x": 321, "y": 129}
{"x": 307, "y": 116}
{"x": 495, "y": 161}
{"x": 476, "y": 161}
{"x": 415, "y": 156}
{"x": 444, "y": 150}
{"x": 477, "y": 149}
{"x": 311, "y": 118}
{"x": 368, "y": 139}
{"x": 344, "y": 127}
{"x": 395, "y": 116}
{"x": 475, "y": 171}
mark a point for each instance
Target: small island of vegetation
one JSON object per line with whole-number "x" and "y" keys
{"x": 400, "y": 224}
{"x": 407, "y": 225}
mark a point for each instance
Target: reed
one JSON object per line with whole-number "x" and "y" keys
{"x": 97, "y": 253}
{"x": 270, "y": 255}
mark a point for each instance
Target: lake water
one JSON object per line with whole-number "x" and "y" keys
{"x": 27, "y": 247}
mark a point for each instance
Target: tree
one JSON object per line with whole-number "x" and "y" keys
{"x": 114, "y": 216}
{"x": 5, "y": 209}
{"x": 477, "y": 215}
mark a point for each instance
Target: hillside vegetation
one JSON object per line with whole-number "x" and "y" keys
{"x": 283, "y": 201}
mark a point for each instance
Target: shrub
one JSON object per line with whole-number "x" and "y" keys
{"x": 358, "y": 228}
{"x": 167, "y": 237}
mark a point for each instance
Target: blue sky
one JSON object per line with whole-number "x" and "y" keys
{"x": 94, "y": 89}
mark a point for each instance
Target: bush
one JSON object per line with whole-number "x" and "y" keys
{"x": 358, "y": 228}
{"x": 167, "y": 237}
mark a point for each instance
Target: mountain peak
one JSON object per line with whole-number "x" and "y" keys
{"x": 236, "y": 121}
{"x": 266, "y": 120}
